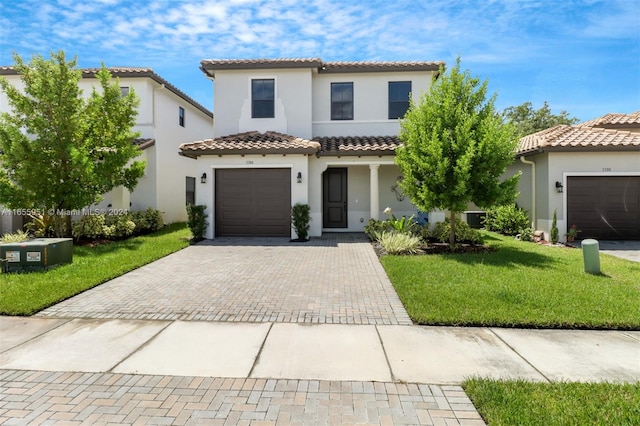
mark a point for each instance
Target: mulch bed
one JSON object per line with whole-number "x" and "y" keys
{"x": 440, "y": 248}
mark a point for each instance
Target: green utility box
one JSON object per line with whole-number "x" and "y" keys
{"x": 36, "y": 254}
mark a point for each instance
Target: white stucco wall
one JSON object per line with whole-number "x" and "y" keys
{"x": 205, "y": 193}
{"x": 370, "y": 99}
{"x": 232, "y": 102}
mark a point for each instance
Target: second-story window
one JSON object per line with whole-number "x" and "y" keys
{"x": 342, "y": 101}
{"x": 181, "y": 116}
{"x": 262, "y": 98}
{"x": 399, "y": 92}
{"x": 124, "y": 91}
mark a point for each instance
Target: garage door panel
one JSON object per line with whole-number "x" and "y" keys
{"x": 604, "y": 207}
{"x": 253, "y": 202}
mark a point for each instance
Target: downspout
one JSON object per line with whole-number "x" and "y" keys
{"x": 533, "y": 189}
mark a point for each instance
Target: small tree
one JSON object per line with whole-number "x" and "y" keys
{"x": 528, "y": 121}
{"x": 300, "y": 217}
{"x": 197, "y": 221}
{"x": 455, "y": 148}
{"x": 61, "y": 151}
{"x": 554, "y": 228}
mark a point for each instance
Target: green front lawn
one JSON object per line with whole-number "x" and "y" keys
{"x": 521, "y": 284}
{"x": 28, "y": 293}
{"x": 523, "y": 403}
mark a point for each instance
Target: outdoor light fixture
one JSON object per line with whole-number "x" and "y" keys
{"x": 559, "y": 187}
{"x": 299, "y": 177}
{"x": 203, "y": 178}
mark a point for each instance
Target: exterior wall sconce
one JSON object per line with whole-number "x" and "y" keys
{"x": 203, "y": 178}
{"x": 299, "y": 177}
{"x": 559, "y": 187}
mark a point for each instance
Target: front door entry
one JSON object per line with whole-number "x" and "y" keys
{"x": 334, "y": 198}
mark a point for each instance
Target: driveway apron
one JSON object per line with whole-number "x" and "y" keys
{"x": 335, "y": 279}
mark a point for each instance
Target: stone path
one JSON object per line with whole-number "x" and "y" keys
{"x": 106, "y": 398}
{"x": 336, "y": 279}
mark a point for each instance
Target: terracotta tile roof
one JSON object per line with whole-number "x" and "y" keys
{"x": 329, "y": 67}
{"x": 210, "y": 66}
{"x": 124, "y": 72}
{"x": 144, "y": 143}
{"x": 250, "y": 143}
{"x": 358, "y": 145}
{"x": 579, "y": 138}
{"x": 614, "y": 120}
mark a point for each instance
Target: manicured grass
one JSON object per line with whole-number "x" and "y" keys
{"x": 521, "y": 284}
{"x": 28, "y": 293}
{"x": 525, "y": 403}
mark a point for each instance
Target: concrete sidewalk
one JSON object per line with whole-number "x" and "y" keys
{"x": 333, "y": 352}
{"x": 97, "y": 371}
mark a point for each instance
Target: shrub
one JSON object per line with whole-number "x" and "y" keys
{"x": 42, "y": 225}
{"x": 16, "y": 237}
{"x": 197, "y": 221}
{"x": 464, "y": 233}
{"x": 526, "y": 234}
{"x": 554, "y": 229}
{"x": 90, "y": 226}
{"x": 507, "y": 220}
{"x": 397, "y": 243}
{"x": 375, "y": 228}
{"x": 404, "y": 225}
{"x": 300, "y": 220}
{"x": 147, "y": 221}
{"x": 120, "y": 226}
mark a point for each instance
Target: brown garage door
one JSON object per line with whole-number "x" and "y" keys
{"x": 253, "y": 202}
{"x": 604, "y": 207}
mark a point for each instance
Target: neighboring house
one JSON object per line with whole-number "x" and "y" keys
{"x": 589, "y": 173}
{"x": 166, "y": 118}
{"x": 304, "y": 131}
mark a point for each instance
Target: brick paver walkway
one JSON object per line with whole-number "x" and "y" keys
{"x": 336, "y": 279}
{"x": 100, "y": 399}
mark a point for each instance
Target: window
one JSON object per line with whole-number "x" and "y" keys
{"x": 191, "y": 190}
{"x": 399, "y": 92}
{"x": 181, "y": 116}
{"x": 262, "y": 96}
{"x": 124, "y": 91}
{"x": 342, "y": 101}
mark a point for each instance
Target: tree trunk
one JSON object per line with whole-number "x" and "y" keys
{"x": 452, "y": 232}
{"x": 67, "y": 226}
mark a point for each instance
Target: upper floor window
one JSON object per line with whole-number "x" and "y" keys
{"x": 124, "y": 91}
{"x": 342, "y": 101}
{"x": 399, "y": 92}
{"x": 181, "y": 116}
{"x": 262, "y": 98}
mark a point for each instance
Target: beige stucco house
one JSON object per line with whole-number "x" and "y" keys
{"x": 304, "y": 131}
{"x": 588, "y": 173}
{"x": 166, "y": 118}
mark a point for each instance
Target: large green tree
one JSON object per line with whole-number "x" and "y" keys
{"x": 456, "y": 148}
{"x": 528, "y": 120}
{"x": 61, "y": 150}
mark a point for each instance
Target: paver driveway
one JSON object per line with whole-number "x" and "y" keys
{"x": 334, "y": 279}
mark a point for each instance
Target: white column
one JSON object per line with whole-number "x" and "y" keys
{"x": 374, "y": 192}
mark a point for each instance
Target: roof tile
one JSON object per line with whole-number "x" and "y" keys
{"x": 358, "y": 145}
{"x": 564, "y": 138}
{"x": 250, "y": 143}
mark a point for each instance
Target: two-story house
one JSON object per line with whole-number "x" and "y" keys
{"x": 304, "y": 131}
{"x": 166, "y": 118}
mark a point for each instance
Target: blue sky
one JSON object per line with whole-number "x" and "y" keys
{"x": 580, "y": 56}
